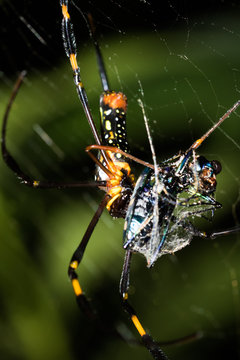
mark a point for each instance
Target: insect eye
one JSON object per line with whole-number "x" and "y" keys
{"x": 217, "y": 167}
{"x": 203, "y": 162}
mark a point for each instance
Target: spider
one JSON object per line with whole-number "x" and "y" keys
{"x": 157, "y": 208}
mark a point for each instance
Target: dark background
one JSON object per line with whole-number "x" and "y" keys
{"x": 187, "y": 59}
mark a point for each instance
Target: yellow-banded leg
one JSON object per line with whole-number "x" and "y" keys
{"x": 13, "y": 164}
{"x": 69, "y": 43}
{"x": 82, "y": 301}
{"x": 151, "y": 345}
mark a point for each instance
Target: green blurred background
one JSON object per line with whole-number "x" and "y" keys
{"x": 188, "y": 63}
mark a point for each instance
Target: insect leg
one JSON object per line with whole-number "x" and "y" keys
{"x": 198, "y": 142}
{"x": 147, "y": 340}
{"x": 203, "y": 234}
{"x": 217, "y": 234}
{"x": 82, "y": 301}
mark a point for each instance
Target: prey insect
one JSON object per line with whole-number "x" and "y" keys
{"x": 157, "y": 208}
{"x": 164, "y": 200}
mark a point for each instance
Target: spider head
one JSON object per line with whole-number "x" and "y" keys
{"x": 206, "y": 173}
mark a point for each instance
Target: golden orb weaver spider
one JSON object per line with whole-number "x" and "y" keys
{"x": 158, "y": 187}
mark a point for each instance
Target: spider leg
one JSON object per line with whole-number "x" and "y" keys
{"x": 101, "y": 66}
{"x": 117, "y": 150}
{"x": 99, "y": 163}
{"x": 77, "y": 256}
{"x": 147, "y": 340}
{"x": 69, "y": 43}
{"x": 12, "y": 163}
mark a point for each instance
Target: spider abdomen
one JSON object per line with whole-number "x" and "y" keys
{"x": 113, "y": 107}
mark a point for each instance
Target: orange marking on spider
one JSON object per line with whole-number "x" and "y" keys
{"x": 123, "y": 165}
{"x": 109, "y": 204}
{"x": 74, "y": 264}
{"x": 65, "y": 12}
{"x": 73, "y": 61}
{"x": 115, "y": 190}
{"x": 76, "y": 287}
{"x": 115, "y": 100}
{"x": 138, "y": 325}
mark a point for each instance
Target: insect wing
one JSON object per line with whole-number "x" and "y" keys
{"x": 148, "y": 218}
{"x": 137, "y": 214}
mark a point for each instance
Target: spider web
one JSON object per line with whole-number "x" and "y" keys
{"x": 187, "y": 61}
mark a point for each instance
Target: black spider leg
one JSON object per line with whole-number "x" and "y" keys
{"x": 101, "y": 66}
{"x": 92, "y": 31}
{"x": 151, "y": 345}
{"x": 82, "y": 301}
{"x": 69, "y": 43}
{"x": 13, "y": 165}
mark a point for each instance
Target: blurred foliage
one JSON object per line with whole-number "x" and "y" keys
{"x": 190, "y": 77}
